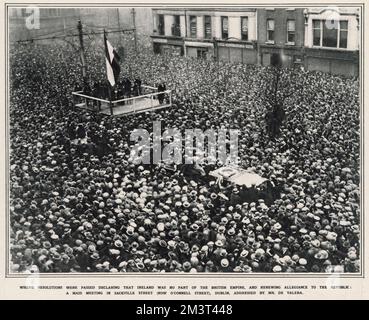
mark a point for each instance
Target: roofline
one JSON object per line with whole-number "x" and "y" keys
{"x": 233, "y": 9}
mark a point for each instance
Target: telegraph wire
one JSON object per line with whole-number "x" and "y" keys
{"x": 74, "y": 35}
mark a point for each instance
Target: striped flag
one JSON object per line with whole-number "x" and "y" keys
{"x": 112, "y": 62}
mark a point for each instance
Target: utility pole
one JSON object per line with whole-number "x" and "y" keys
{"x": 133, "y": 12}
{"x": 184, "y": 46}
{"x": 118, "y": 19}
{"x": 82, "y": 51}
{"x": 185, "y": 14}
{"x": 216, "y": 51}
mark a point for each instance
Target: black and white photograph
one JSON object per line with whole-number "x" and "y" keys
{"x": 185, "y": 140}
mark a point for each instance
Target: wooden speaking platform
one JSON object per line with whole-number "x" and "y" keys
{"x": 125, "y": 106}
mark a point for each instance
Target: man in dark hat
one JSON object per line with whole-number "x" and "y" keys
{"x": 161, "y": 88}
{"x": 127, "y": 88}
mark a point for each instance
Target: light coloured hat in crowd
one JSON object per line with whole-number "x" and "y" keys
{"x": 277, "y": 268}
{"x": 321, "y": 255}
{"x": 224, "y": 263}
{"x": 118, "y": 243}
{"x": 218, "y": 243}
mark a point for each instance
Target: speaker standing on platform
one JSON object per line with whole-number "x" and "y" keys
{"x": 161, "y": 88}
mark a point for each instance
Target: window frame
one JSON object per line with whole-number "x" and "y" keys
{"x": 207, "y": 36}
{"x": 193, "y": 19}
{"x": 247, "y": 28}
{"x": 161, "y": 27}
{"x": 222, "y": 19}
{"x": 337, "y": 47}
{"x": 203, "y": 53}
{"x": 291, "y": 31}
{"x": 339, "y": 34}
{"x": 267, "y": 29}
{"x": 320, "y": 31}
{"x": 176, "y": 28}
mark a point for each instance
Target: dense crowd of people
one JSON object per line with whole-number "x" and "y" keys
{"x": 87, "y": 208}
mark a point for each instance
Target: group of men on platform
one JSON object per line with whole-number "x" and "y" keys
{"x": 123, "y": 89}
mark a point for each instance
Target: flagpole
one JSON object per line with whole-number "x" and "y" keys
{"x": 110, "y": 103}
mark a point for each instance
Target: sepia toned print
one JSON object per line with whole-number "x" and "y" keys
{"x": 105, "y": 177}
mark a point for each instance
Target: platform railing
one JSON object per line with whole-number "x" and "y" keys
{"x": 131, "y": 101}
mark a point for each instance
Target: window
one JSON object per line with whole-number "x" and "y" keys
{"x": 224, "y": 27}
{"x": 176, "y": 29}
{"x": 207, "y": 27}
{"x": 193, "y": 26}
{"x": 270, "y": 30}
{"x": 244, "y": 28}
{"x": 201, "y": 53}
{"x": 331, "y": 34}
{"x": 161, "y": 24}
{"x": 316, "y": 32}
{"x": 291, "y": 31}
{"x": 343, "y": 34}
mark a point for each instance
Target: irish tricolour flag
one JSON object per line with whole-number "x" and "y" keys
{"x": 112, "y": 62}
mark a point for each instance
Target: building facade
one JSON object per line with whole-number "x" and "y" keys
{"x": 280, "y": 36}
{"x": 224, "y": 34}
{"x": 332, "y": 40}
{"x": 324, "y": 39}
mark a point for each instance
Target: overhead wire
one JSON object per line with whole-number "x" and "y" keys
{"x": 73, "y": 35}
{"x": 54, "y": 32}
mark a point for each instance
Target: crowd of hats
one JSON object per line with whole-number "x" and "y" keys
{"x": 84, "y": 207}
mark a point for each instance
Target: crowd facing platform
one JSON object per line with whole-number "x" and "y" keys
{"x": 87, "y": 208}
